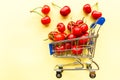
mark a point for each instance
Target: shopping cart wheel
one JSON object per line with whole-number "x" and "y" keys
{"x": 58, "y": 74}
{"x": 92, "y": 74}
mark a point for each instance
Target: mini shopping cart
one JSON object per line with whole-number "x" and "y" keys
{"x": 87, "y": 50}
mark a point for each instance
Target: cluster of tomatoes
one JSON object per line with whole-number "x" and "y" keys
{"x": 88, "y": 9}
{"x": 64, "y": 11}
{"x": 73, "y": 30}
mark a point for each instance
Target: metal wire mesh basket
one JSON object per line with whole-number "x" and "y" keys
{"x": 84, "y": 48}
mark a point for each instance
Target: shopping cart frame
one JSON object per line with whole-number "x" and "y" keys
{"x": 90, "y": 46}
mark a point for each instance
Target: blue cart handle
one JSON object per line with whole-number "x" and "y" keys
{"x": 100, "y": 22}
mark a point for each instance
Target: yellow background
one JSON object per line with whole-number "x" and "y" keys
{"x": 25, "y": 56}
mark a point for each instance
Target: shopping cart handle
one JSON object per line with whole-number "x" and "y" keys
{"x": 51, "y": 49}
{"x": 100, "y": 21}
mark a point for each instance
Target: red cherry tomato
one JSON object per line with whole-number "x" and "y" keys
{"x": 59, "y": 37}
{"x": 77, "y": 50}
{"x": 67, "y": 45}
{"x": 65, "y": 34}
{"x": 87, "y": 8}
{"x": 45, "y": 9}
{"x": 45, "y": 20}
{"x": 86, "y": 33}
{"x": 84, "y": 41}
{"x": 61, "y": 27}
{"x": 84, "y": 28}
{"x": 59, "y": 49}
{"x": 95, "y": 14}
{"x": 65, "y": 11}
{"x": 71, "y": 36}
{"x": 79, "y": 22}
{"x": 70, "y": 25}
{"x": 51, "y": 35}
{"x": 77, "y": 31}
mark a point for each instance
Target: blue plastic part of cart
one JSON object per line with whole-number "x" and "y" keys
{"x": 51, "y": 49}
{"x": 92, "y": 25}
{"x": 100, "y": 21}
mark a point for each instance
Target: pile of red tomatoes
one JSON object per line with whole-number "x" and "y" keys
{"x": 77, "y": 29}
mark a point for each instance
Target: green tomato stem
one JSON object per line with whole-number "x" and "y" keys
{"x": 36, "y": 8}
{"x": 36, "y": 13}
{"x": 55, "y": 5}
{"x": 83, "y": 19}
{"x": 45, "y": 39}
{"x": 95, "y": 5}
{"x": 71, "y": 27}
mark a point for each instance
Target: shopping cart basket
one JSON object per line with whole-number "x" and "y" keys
{"x": 85, "y": 50}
